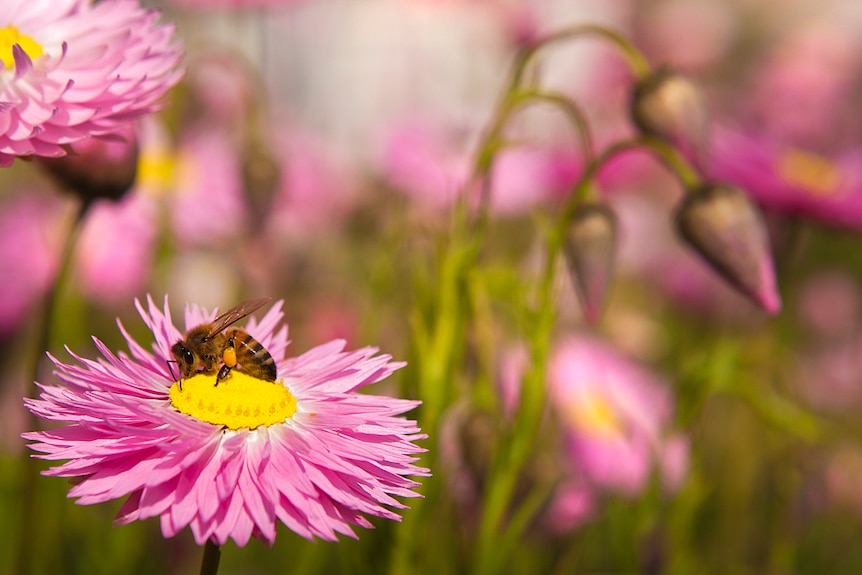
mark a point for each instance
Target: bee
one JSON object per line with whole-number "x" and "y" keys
{"x": 211, "y": 347}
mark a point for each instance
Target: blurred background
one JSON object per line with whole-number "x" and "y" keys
{"x": 313, "y": 153}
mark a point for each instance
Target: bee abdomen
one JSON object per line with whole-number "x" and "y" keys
{"x": 253, "y": 357}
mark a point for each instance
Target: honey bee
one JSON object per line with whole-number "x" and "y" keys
{"x": 206, "y": 347}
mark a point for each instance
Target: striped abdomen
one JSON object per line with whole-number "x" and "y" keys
{"x": 251, "y": 356}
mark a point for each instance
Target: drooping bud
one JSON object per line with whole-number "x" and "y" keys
{"x": 668, "y": 105}
{"x": 723, "y": 225}
{"x": 97, "y": 167}
{"x": 590, "y": 249}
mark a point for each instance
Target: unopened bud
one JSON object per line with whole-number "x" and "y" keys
{"x": 668, "y": 105}
{"x": 590, "y": 249}
{"x": 722, "y": 224}
{"x": 97, "y": 168}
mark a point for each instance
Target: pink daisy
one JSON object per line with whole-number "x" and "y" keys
{"x": 307, "y": 450}
{"x": 792, "y": 180}
{"x": 70, "y": 69}
{"x": 616, "y": 416}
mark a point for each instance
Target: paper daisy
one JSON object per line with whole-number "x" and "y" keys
{"x": 233, "y": 459}
{"x": 71, "y": 69}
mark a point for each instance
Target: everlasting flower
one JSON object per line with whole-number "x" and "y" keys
{"x": 307, "y": 450}
{"x": 792, "y": 180}
{"x": 616, "y": 416}
{"x": 115, "y": 251}
{"x": 71, "y": 69}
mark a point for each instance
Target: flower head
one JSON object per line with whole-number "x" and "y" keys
{"x": 224, "y": 465}
{"x": 71, "y": 69}
{"x": 792, "y": 180}
{"x": 616, "y": 417}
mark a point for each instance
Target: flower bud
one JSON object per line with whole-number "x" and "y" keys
{"x": 722, "y": 224}
{"x": 668, "y": 105}
{"x": 590, "y": 249}
{"x": 97, "y": 168}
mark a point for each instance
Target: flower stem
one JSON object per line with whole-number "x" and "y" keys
{"x": 210, "y": 561}
{"x": 29, "y": 518}
{"x": 634, "y": 58}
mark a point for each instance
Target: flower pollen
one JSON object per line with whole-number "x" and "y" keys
{"x": 237, "y": 402}
{"x": 594, "y": 414}
{"x": 811, "y": 172}
{"x": 9, "y": 36}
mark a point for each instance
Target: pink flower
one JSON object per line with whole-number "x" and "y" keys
{"x": 207, "y": 205}
{"x": 792, "y": 180}
{"x": 616, "y": 416}
{"x": 433, "y": 167}
{"x": 307, "y": 450}
{"x": 31, "y": 236}
{"x": 314, "y": 193}
{"x": 72, "y": 69}
{"x": 115, "y": 251}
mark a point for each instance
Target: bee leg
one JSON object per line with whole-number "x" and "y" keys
{"x": 222, "y": 374}
{"x": 229, "y": 359}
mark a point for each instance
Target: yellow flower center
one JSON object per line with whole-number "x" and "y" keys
{"x": 237, "y": 402}
{"x": 156, "y": 171}
{"x": 593, "y": 414}
{"x": 9, "y": 36}
{"x": 814, "y": 174}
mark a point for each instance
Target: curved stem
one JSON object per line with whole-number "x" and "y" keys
{"x": 672, "y": 159}
{"x": 634, "y": 58}
{"x": 573, "y": 112}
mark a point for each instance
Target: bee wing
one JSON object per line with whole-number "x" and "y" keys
{"x": 236, "y": 313}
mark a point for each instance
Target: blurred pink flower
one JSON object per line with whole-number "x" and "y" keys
{"x": 813, "y": 68}
{"x": 115, "y": 251}
{"x": 829, "y": 377}
{"x": 315, "y": 190}
{"x": 328, "y": 457}
{"x": 207, "y": 206}
{"x": 573, "y": 503}
{"x": 829, "y": 305}
{"x": 72, "y": 69}
{"x": 616, "y": 416}
{"x": 31, "y": 238}
{"x": 433, "y": 167}
{"x": 791, "y": 180}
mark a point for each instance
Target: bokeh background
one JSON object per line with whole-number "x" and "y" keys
{"x": 313, "y": 153}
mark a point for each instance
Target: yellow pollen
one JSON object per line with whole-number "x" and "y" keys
{"x": 814, "y": 174}
{"x": 593, "y": 414}
{"x": 9, "y": 36}
{"x": 237, "y": 402}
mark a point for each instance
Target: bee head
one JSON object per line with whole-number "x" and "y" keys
{"x": 185, "y": 357}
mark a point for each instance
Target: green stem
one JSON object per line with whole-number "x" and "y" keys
{"x": 28, "y": 521}
{"x": 573, "y": 112}
{"x": 516, "y": 449}
{"x": 634, "y": 58}
{"x": 210, "y": 561}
